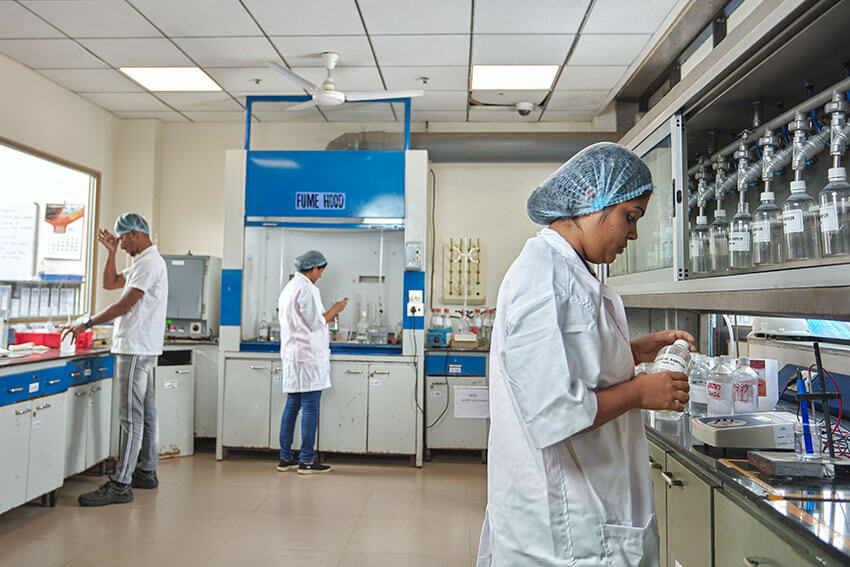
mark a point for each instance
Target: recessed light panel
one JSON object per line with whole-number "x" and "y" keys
{"x": 513, "y": 77}
{"x": 171, "y": 79}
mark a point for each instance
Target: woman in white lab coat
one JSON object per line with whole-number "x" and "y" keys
{"x": 305, "y": 359}
{"x": 568, "y": 472}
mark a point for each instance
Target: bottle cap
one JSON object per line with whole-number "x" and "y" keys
{"x": 702, "y": 219}
{"x": 837, "y": 174}
{"x": 681, "y": 343}
{"x": 720, "y": 213}
{"x": 798, "y": 186}
{"x": 767, "y": 196}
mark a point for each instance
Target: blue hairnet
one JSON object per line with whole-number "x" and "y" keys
{"x": 597, "y": 177}
{"x": 309, "y": 260}
{"x": 131, "y": 221}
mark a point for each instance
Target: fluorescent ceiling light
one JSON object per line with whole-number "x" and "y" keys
{"x": 171, "y": 78}
{"x": 513, "y": 77}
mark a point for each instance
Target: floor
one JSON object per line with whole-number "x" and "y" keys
{"x": 241, "y": 511}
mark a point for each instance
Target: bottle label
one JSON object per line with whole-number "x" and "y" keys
{"x": 699, "y": 394}
{"x": 739, "y": 241}
{"x": 694, "y": 248}
{"x": 829, "y": 218}
{"x": 669, "y": 362}
{"x": 761, "y": 231}
{"x": 792, "y": 221}
{"x": 714, "y": 390}
{"x": 744, "y": 392}
{"x": 719, "y": 246}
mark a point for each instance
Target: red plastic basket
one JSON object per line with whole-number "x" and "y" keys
{"x": 52, "y": 340}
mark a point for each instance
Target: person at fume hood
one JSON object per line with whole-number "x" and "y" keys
{"x": 136, "y": 343}
{"x": 305, "y": 355}
{"x": 568, "y": 481}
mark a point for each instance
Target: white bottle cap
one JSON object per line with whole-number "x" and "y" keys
{"x": 837, "y": 174}
{"x": 681, "y": 343}
{"x": 767, "y": 196}
{"x": 720, "y": 213}
{"x": 702, "y": 219}
{"x": 798, "y": 186}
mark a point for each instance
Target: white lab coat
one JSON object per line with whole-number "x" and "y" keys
{"x": 304, "y": 340}
{"x": 557, "y": 496}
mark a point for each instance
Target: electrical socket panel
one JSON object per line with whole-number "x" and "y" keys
{"x": 456, "y": 272}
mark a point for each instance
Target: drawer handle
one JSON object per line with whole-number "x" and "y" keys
{"x": 255, "y": 367}
{"x": 671, "y": 482}
{"x": 45, "y": 406}
{"x": 95, "y": 389}
{"x": 74, "y": 374}
{"x": 15, "y": 390}
{"x": 81, "y": 394}
{"x": 654, "y": 465}
{"x": 755, "y": 561}
{"x": 22, "y": 411}
{"x": 186, "y": 371}
{"x": 52, "y": 382}
{"x": 104, "y": 369}
{"x": 349, "y": 371}
{"x": 376, "y": 372}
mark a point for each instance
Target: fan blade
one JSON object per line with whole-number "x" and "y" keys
{"x": 301, "y": 105}
{"x": 293, "y": 76}
{"x": 381, "y": 95}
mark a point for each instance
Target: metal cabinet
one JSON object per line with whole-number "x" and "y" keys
{"x": 15, "y": 424}
{"x": 175, "y": 407}
{"x": 657, "y": 460}
{"x": 278, "y": 401}
{"x": 741, "y": 539}
{"x": 689, "y": 519}
{"x": 98, "y": 421}
{"x": 344, "y": 407}
{"x": 205, "y": 358}
{"x": 391, "y": 427}
{"x": 46, "y": 463}
{"x": 247, "y": 389}
{"x": 76, "y": 429}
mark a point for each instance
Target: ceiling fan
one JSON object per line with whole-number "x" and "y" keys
{"x": 327, "y": 93}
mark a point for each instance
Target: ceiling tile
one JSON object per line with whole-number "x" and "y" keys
{"x": 300, "y": 51}
{"x": 94, "y": 18}
{"x": 204, "y": 116}
{"x": 347, "y": 78}
{"x": 434, "y": 16}
{"x": 49, "y": 54}
{"x": 125, "y": 102}
{"x": 199, "y": 18}
{"x": 350, "y": 113}
{"x": 498, "y": 114}
{"x": 439, "y": 78}
{"x": 509, "y": 97}
{"x": 438, "y": 116}
{"x": 16, "y": 21}
{"x": 577, "y": 100}
{"x": 607, "y": 49}
{"x": 413, "y": 50}
{"x": 616, "y": 16}
{"x": 92, "y": 80}
{"x": 577, "y": 77}
{"x": 568, "y": 116}
{"x": 242, "y": 81}
{"x": 306, "y": 17}
{"x": 310, "y": 115}
{"x": 228, "y": 51}
{"x": 200, "y": 101}
{"x": 441, "y": 100}
{"x": 135, "y": 52}
{"x": 520, "y": 49}
{"x": 165, "y": 116}
{"x": 543, "y": 16}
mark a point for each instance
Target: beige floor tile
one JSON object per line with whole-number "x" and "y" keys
{"x": 323, "y": 499}
{"x": 24, "y": 551}
{"x": 142, "y": 554}
{"x": 237, "y": 554}
{"x": 400, "y": 505}
{"x": 295, "y": 532}
{"x": 359, "y": 559}
{"x": 415, "y": 537}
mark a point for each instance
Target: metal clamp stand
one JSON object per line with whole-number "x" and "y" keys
{"x": 823, "y": 397}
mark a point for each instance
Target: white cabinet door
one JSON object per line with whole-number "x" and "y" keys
{"x": 15, "y": 423}
{"x": 98, "y": 421}
{"x": 247, "y": 386}
{"x": 278, "y": 401}
{"x": 392, "y": 409}
{"x": 343, "y": 409}
{"x": 75, "y": 429}
{"x": 206, "y": 390}
{"x": 175, "y": 407}
{"x": 47, "y": 445}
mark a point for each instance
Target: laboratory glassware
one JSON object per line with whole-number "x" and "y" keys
{"x": 835, "y": 214}
{"x": 697, "y": 379}
{"x": 740, "y": 250}
{"x": 768, "y": 239}
{"x": 745, "y": 387}
{"x": 799, "y": 224}
{"x": 264, "y": 329}
{"x": 4, "y": 329}
{"x": 719, "y": 387}
{"x": 361, "y": 331}
{"x": 672, "y": 358}
{"x": 378, "y": 332}
{"x": 808, "y": 443}
{"x": 719, "y": 241}
{"x": 700, "y": 247}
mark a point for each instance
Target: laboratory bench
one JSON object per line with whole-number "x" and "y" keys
{"x": 714, "y": 510}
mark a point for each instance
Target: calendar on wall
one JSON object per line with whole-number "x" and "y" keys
{"x": 63, "y": 238}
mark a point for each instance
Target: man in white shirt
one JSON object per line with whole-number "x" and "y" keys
{"x": 137, "y": 339}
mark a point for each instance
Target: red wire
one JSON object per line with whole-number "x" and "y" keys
{"x": 840, "y": 399}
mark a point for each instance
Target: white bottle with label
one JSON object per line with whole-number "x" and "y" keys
{"x": 740, "y": 250}
{"x": 768, "y": 241}
{"x": 745, "y": 383}
{"x": 835, "y": 214}
{"x": 800, "y": 224}
{"x": 672, "y": 358}
{"x": 719, "y": 387}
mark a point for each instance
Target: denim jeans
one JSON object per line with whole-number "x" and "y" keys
{"x": 139, "y": 439}
{"x": 309, "y": 402}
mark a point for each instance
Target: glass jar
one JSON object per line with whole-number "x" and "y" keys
{"x": 768, "y": 238}
{"x": 835, "y": 214}
{"x": 699, "y": 246}
{"x": 740, "y": 249}
{"x": 800, "y": 224}
{"x": 719, "y": 241}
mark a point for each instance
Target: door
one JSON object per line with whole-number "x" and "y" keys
{"x": 15, "y": 423}
{"x": 392, "y": 409}
{"x": 278, "y": 401}
{"x": 75, "y": 429}
{"x": 175, "y": 405}
{"x": 343, "y": 409}
{"x": 206, "y": 390}
{"x": 98, "y": 421}
{"x": 689, "y": 533}
{"x": 247, "y": 386}
{"x": 47, "y": 438}
{"x": 659, "y": 488}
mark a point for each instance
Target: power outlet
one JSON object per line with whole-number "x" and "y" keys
{"x": 415, "y": 296}
{"x": 415, "y": 309}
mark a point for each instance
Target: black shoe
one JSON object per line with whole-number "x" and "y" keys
{"x": 313, "y": 468}
{"x": 284, "y": 466}
{"x": 110, "y": 493}
{"x": 145, "y": 479}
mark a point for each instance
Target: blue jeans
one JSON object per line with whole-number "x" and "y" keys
{"x": 309, "y": 402}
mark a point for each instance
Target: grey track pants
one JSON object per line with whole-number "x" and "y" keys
{"x": 139, "y": 442}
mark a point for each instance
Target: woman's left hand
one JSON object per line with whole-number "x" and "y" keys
{"x": 645, "y": 348}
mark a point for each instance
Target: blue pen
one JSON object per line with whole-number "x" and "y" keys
{"x": 804, "y": 410}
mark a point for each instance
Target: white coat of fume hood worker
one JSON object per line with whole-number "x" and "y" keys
{"x": 567, "y": 476}
{"x": 305, "y": 359}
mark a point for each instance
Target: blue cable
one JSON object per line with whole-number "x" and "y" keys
{"x": 785, "y": 134}
{"x": 804, "y": 410}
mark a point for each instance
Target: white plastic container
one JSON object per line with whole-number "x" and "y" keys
{"x": 672, "y": 358}
{"x": 68, "y": 344}
{"x": 745, "y": 386}
{"x": 719, "y": 387}
{"x": 767, "y": 370}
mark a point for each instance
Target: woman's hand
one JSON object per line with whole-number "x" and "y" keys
{"x": 662, "y": 391}
{"x": 645, "y": 348}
